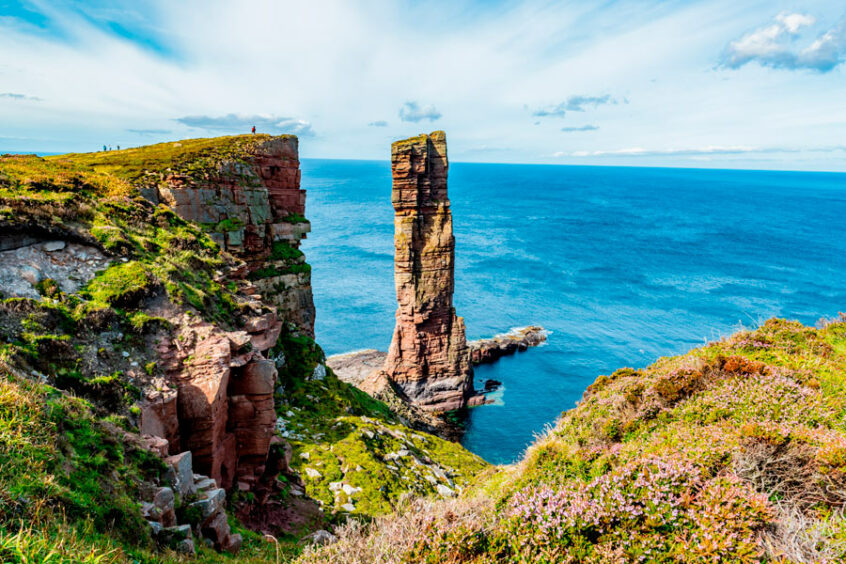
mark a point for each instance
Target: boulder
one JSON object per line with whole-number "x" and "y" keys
{"x": 320, "y": 537}
{"x": 216, "y": 529}
{"x": 171, "y": 536}
{"x": 233, "y": 543}
{"x": 213, "y": 503}
{"x": 185, "y": 546}
{"x": 180, "y": 473}
{"x": 163, "y": 499}
{"x": 52, "y": 246}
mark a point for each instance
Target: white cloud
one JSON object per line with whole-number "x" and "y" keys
{"x": 412, "y": 112}
{"x": 580, "y": 128}
{"x": 794, "y": 22}
{"x": 774, "y": 46}
{"x": 19, "y": 97}
{"x": 574, "y": 104}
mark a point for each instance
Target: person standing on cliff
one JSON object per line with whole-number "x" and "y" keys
{"x": 254, "y": 130}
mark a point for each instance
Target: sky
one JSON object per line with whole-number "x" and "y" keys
{"x": 710, "y": 83}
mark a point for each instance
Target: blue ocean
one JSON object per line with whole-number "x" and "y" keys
{"x": 621, "y": 265}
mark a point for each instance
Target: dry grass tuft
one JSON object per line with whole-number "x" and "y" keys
{"x": 387, "y": 540}
{"x": 789, "y": 473}
{"x": 802, "y": 539}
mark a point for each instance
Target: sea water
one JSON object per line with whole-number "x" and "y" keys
{"x": 621, "y": 265}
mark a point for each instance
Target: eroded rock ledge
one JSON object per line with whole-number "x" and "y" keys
{"x": 485, "y": 351}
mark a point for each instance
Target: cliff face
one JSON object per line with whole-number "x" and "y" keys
{"x": 253, "y": 207}
{"x": 222, "y": 406}
{"x": 428, "y": 357}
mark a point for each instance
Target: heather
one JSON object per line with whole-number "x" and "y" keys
{"x": 733, "y": 452}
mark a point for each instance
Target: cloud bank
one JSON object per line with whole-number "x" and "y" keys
{"x": 775, "y": 46}
{"x": 582, "y": 128}
{"x": 19, "y": 97}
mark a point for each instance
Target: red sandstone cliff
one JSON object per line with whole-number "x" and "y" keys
{"x": 428, "y": 358}
{"x": 217, "y": 400}
{"x": 249, "y": 205}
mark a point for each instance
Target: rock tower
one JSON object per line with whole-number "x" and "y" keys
{"x": 428, "y": 359}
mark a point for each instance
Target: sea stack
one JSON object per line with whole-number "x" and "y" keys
{"x": 428, "y": 360}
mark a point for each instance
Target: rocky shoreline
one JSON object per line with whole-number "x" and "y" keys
{"x": 363, "y": 368}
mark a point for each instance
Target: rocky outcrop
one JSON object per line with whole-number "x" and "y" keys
{"x": 219, "y": 403}
{"x": 428, "y": 358}
{"x": 26, "y": 261}
{"x": 217, "y": 397}
{"x": 253, "y": 207}
{"x": 490, "y": 350}
{"x": 364, "y": 369}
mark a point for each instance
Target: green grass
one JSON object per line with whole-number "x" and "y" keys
{"x": 193, "y": 157}
{"x": 66, "y": 470}
{"x": 122, "y": 285}
{"x": 282, "y": 251}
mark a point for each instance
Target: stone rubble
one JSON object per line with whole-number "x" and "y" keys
{"x": 201, "y": 494}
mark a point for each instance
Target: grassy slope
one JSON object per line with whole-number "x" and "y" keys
{"x": 64, "y": 504}
{"x": 347, "y": 437}
{"x": 734, "y": 452}
{"x": 69, "y": 468}
{"x": 194, "y": 157}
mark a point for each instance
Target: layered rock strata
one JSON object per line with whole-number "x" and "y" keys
{"x": 427, "y": 360}
{"x": 253, "y": 207}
